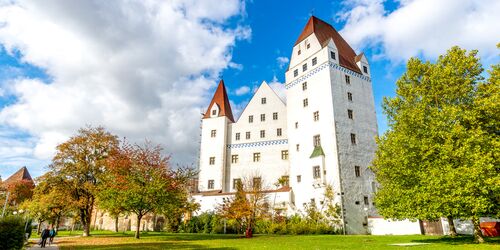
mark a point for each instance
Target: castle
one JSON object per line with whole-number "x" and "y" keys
{"x": 323, "y": 135}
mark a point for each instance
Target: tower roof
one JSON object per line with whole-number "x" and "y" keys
{"x": 220, "y": 98}
{"x": 21, "y": 174}
{"x": 324, "y": 32}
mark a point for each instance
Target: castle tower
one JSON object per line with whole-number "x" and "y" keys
{"x": 214, "y": 132}
{"x": 331, "y": 123}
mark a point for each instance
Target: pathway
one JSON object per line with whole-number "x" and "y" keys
{"x": 35, "y": 246}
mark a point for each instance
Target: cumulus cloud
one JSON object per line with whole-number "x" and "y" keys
{"x": 422, "y": 27}
{"x": 279, "y": 88}
{"x": 282, "y": 61}
{"x": 142, "y": 69}
{"x": 243, "y": 90}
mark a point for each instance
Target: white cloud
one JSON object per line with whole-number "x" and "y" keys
{"x": 242, "y": 90}
{"x": 235, "y": 65}
{"x": 142, "y": 69}
{"x": 282, "y": 61}
{"x": 422, "y": 27}
{"x": 279, "y": 88}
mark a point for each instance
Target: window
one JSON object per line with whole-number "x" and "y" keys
{"x": 314, "y": 61}
{"x": 250, "y": 118}
{"x": 286, "y": 180}
{"x": 262, "y": 117}
{"x": 278, "y": 132}
{"x": 305, "y": 102}
{"x": 211, "y": 161}
{"x": 247, "y": 135}
{"x": 275, "y": 116}
{"x": 237, "y": 136}
{"x": 357, "y": 202}
{"x": 316, "y": 172}
{"x": 308, "y": 46}
{"x": 284, "y": 154}
{"x": 236, "y": 182}
{"x": 349, "y": 96}
{"x": 262, "y": 133}
{"x": 332, "y": 55}
{"x": 349, "y": 114}
{"x": 210, "y": 184}
{"x": 295, "y": 73}
{"x": 257, "y": 181}
{"x": 297, "y": 147}
{"x": 213, "y": 133}
{"x": 365, "y": 199}
{"x": 296, "y": 124}
{"x": 304, "y": 67}
{"x": 299, "y": 178}
{"x": 347, "y": 79}
{"x": 263, "y": 100}
{"x": 256, "y": 157}
{"x": 316, "y": 116}
{"x": 353, "y": 138}
{"x": 214, "y": 112}
{"x": 304, "y": 85}
{"x": 357, "y": 171}
{"x": 234, "y": 158}
{"x": 365, "y": 69}
{"x": 298, "y": 52}
{"x": 317, "y": 140}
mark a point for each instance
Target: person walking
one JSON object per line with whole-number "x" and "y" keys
{"x": 52, "y": 234}
{"x": 44, "y": 235}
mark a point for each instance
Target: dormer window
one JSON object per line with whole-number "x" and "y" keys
{"x": 214, "y": 112}
{"x": 365, "y": 69}
{"x": 332, "y": 55}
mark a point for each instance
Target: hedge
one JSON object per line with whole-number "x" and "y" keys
{"x": 11, "y": 233}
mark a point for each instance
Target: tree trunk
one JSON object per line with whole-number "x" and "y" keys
{"x": 57, "y": 223}
{"x": 116, "y": 224}
{"x": 85, "y": 215}
{"x": 137, "y": 230}
{"x": 39, "y": 227}
{"x": 478, "y": 235}
{"x": 453, "y": 231}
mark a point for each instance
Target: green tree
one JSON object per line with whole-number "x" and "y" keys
{"x": 440, "y": 156}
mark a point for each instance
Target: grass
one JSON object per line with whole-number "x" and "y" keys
{"x": 152, "y": 240}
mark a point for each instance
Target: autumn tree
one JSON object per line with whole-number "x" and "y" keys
{"x": 140, "y": 182}
{"x": 80, "y": 162}
{"x": 440, "y": 156}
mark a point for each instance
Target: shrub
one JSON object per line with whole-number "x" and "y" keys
{"x": 11, "y": 233}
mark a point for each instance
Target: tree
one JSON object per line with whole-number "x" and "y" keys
{"x": 141, "y": 182}
{"x": 81, "y": 164}
{"x": 440, "y": 156}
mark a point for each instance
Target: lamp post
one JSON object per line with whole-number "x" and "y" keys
{"x": 5, "y": 205}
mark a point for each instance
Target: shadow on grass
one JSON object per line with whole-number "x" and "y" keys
{"x": 459, "y": 240}
{"x": 145, "y": 245}
{"x": 172, "y": 236}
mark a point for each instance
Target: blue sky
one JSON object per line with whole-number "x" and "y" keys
{"x": 146, "y": 70}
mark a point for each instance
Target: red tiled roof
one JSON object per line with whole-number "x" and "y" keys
{"x": 324, "y": 32}
{"x": 21, "y": 174}
{"x": 220, "y": 98}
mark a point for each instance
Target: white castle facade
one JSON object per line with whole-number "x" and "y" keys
{"x": 323, "y": 135}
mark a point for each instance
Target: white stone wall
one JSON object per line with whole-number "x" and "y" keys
{"x": 380, "y": 226}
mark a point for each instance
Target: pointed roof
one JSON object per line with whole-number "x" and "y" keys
{"x": 324, "y": 32}
{"x": 21, "y": 174}
{"x": 220, "y": 98}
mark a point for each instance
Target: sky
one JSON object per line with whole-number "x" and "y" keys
{"x": 147, "y": 69}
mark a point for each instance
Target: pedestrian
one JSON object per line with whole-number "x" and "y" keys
{"x": 44, "y": 235}
{"x": 52, "y": 234}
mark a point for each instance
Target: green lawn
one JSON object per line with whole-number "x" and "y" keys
{"x": 151, "y": 240}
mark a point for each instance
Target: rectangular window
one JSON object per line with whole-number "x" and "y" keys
{"x": 353, "y": 139}
{"x": 284, "y": 154}
{"x": 304, "y": 85}
{"x": 278, "y": 132}
{"x": 213, "y": 133}
{"x": 365, "y": 69}
{"x": 349, "y": 114}
{"x": 304, "y": 67}
{"x": 247, "y": 135}
{"x": 316, "y": 116}
{"x": 295, "y": 73}
{"x": 296, "y": 124}
{"x": 349, "y": 96}
{"x": 305, "y": 102}
{"x": 257, "y": 181}
{"x": 211, "y": 161}
{"x": 237, "y": 136}
{"x": 263, "y": 100}
{"x": 275, "y": 116}
{"x": 297, "y": 147}
{"x": 234, "y": 158}
{"x": 316, "y": 172}
{"x": 317, "y": 140}
{"x": 262, "y": 133}
{"x": 365, "y": 199}
{"x": 347, "y": 79}
{"x": 214, "y": 112}
{"x": 298, "y": 52}
{"x": 262, "y": 117}
{"x": 314, "y": 61}
{"x": 286, "y": 180}
{"x": 210, "y": 184}
{"x": 250, "y": 118}
{"x": 256, "y": 157}
{"x": 236, "y": 182}
{"x": 332, "y": 55}
{"x": 357, "y": 171}
{"x": 308, "y": 46}
{"x": 299, "y": 178}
